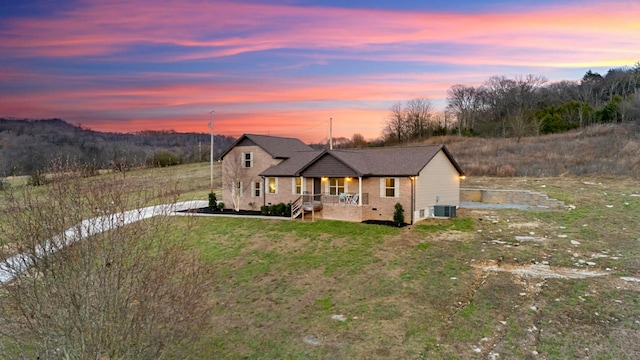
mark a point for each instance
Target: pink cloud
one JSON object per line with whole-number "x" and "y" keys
{"x": 563, "y": 36}
{"x": 212, "y": 29}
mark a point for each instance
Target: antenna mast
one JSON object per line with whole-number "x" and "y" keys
{"x": 330, "y": 133}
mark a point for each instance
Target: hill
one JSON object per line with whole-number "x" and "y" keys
{"x": 608, "y": 150}
{"x": 27, "y": 146}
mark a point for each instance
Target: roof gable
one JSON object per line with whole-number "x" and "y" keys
{"x": 277, "y": 147}
{"x": 328, "y": 165}
{"x": 392, "y": 161}
{"x": 292, "y": 165}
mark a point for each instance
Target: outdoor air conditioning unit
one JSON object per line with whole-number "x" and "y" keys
{"x": 444, "y": 211}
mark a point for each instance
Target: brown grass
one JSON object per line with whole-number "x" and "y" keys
{"x": 612, "y": 150}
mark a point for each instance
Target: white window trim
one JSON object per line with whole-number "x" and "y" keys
{"x": 269, "y": 183}
{"x": 254, "y": 188}
{"x": 294, "y": 186}
{"x": 345, "y": 182}
{"x": 383, "y": 187}
{"x": 244, "y": 160}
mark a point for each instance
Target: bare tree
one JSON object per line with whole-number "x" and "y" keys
{"x": 465, "y": 103}
{"x": 358, "y": 141}
{"x": 90, "y": 278}
{"x": 418, "y": 118}
{"x": 410, "y": 121}
{"x": 395, "y": 130}
{"x": 236, "y": 179}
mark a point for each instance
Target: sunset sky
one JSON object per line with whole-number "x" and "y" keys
{"x": 286, "y": 67}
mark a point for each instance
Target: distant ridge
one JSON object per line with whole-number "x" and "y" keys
{"x": 28, "y": 145}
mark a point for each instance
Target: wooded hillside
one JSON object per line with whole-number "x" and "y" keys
{"x": 28, "y": 146}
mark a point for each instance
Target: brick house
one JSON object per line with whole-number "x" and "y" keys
{"x": 341, "y": 184}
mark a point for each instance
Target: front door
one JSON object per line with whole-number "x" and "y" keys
{"x": 317, "y": 186}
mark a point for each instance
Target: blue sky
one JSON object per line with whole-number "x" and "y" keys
{"x": 286, "y": 67}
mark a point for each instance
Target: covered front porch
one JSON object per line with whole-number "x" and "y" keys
{"x": 335, "y": 198}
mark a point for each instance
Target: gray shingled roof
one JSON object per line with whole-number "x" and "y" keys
{"x": 389, "y": 161}
{"x": 293, "y": 164}
{"x": 277, "y": 147}
{"x": 383, "y": 161}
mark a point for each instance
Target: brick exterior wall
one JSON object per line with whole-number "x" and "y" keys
{"x": 284, "y": 191}
{"x": 382, "y": 208}
{"x": 248, "y": 176}
{"x": 379, "y": 207}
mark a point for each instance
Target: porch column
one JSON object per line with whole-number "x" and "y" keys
{"x": 359, "y": 190}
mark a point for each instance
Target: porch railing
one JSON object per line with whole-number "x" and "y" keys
{"x": 347, "y": 199}
{"x": 296, "y": 207}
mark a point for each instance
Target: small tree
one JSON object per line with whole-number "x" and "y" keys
{"x": 398, "y": 215}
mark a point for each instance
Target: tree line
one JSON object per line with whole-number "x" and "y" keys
{"x": 27, "y": 146}
{"x": 520, "y": 106}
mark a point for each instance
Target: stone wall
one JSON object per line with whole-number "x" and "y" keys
{"x": 516, "y": 197}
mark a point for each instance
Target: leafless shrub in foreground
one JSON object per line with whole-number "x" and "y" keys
{"x": 126, "y": 291}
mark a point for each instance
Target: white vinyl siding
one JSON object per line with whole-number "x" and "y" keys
{"x": 437, "y": 184}
{"x": 390, "y": 187}
{"x": 272, "y": 185}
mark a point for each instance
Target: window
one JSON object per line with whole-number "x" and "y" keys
{"x": 247, "y": 160}
{"x": 389, "y": 187}
{"x": 273, "y": 185}
{"x": 297, "y": 185}
{"x": 257, "y": 189}
{"x": 336, "y": 186}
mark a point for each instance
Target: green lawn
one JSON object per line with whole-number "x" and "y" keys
{"x": 421, "y": 292}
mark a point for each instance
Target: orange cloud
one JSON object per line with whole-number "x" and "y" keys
{"x": 281, "y": 94}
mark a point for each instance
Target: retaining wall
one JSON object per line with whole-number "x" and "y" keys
{"x": 516, "y": 197}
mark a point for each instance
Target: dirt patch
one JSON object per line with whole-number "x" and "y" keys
{"x": 524, "y": 225}
{"x": 543, "y": 271}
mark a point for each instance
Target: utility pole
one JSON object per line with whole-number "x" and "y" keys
{"x": 211, "y": 155}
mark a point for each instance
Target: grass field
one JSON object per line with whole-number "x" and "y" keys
{"x": 424, "y": 291}
{"x": 338, "y": 290}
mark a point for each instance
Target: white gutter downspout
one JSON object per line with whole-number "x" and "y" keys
{"x": 359, "y": 190}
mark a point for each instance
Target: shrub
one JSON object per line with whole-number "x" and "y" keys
{"x": 220, "y": 206}
{"x": 89, "y": 170}
{"x": 213, "y": 202}
{"x": 280, "y": 209}
{"x": 164, "y": 158}
{"x": 37, "y": 179}
{"x": 287, "y": 209}
{"x": 398, "y": 215}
